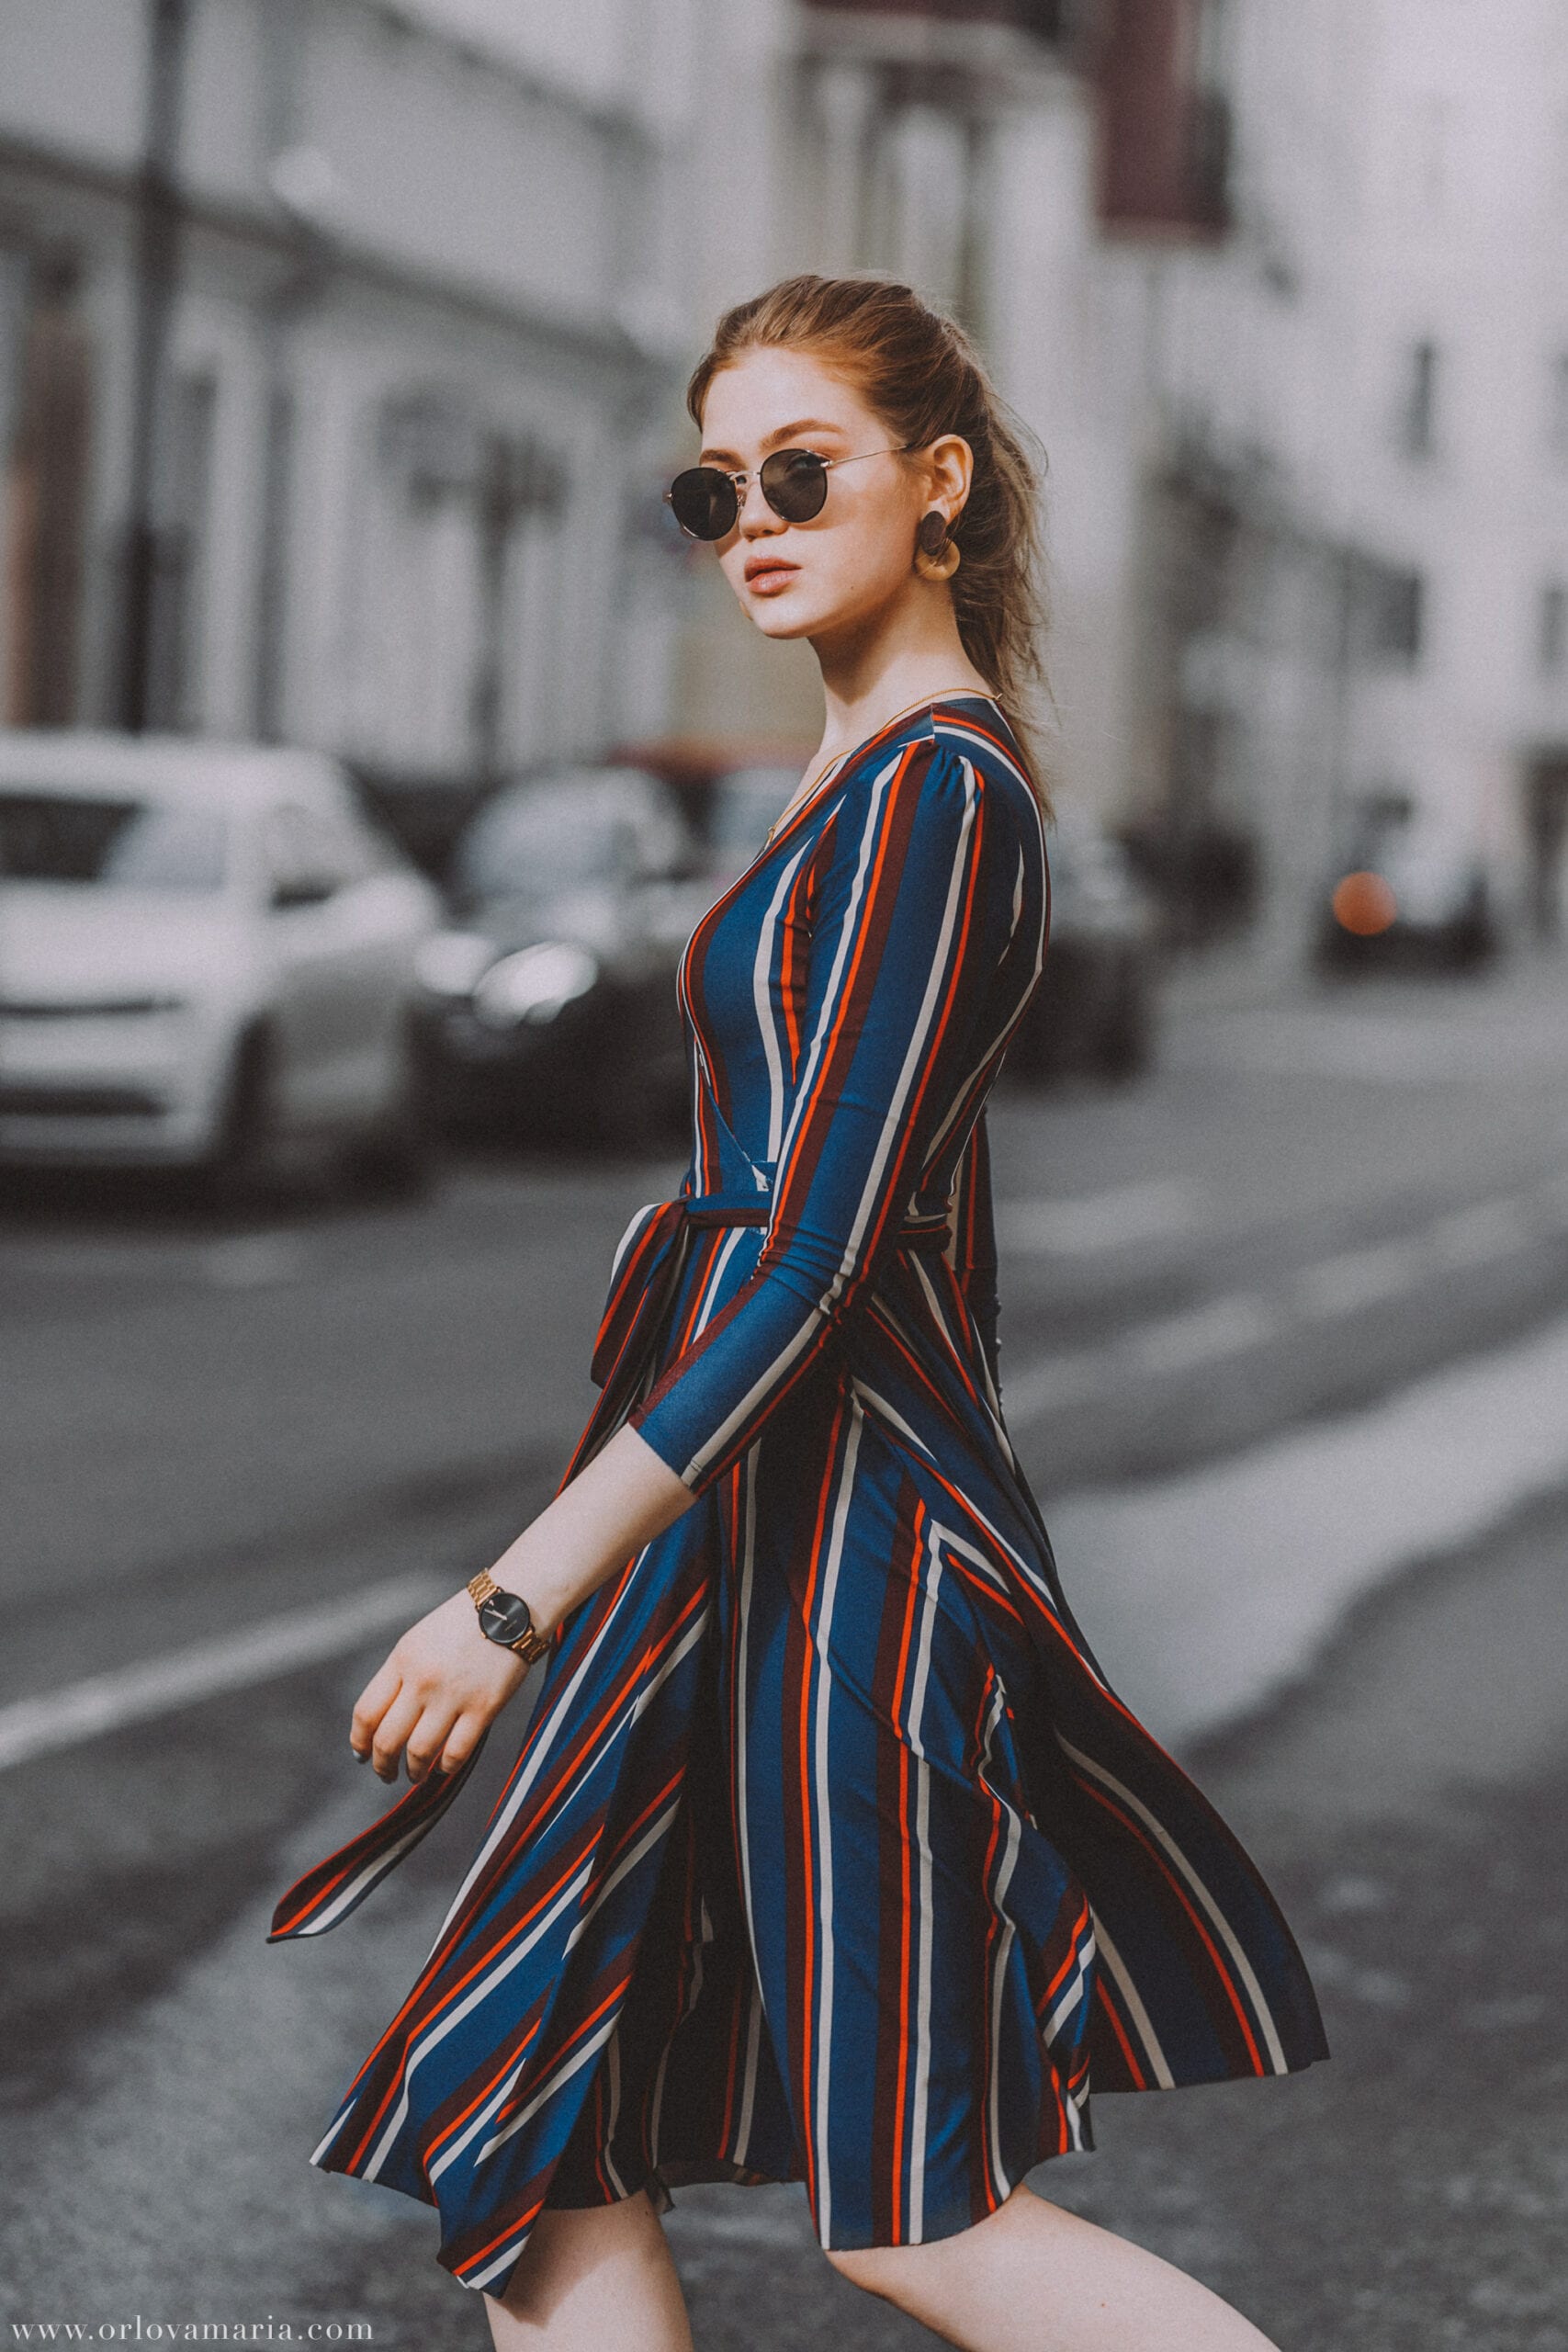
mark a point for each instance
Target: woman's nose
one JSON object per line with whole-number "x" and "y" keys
{"x": 754, "y": 514}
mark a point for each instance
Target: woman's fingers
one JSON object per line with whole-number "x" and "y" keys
{"x": 442, "y": 1683}
{"x": 392, "y": 1731}
{"x": 372, "y": 1704}
{"x": 462, "y": 1742}
{"x": 429, "y": 1736}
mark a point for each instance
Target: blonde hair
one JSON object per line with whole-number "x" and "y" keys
{"x": 920, "y": 373}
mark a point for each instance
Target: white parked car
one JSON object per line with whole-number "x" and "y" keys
{"x": 206, "y": 959}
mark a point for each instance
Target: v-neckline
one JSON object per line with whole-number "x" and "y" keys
{"x": 826, "y": 784}
{"x": 837, "y": 767}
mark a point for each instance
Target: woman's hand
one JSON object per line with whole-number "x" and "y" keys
{"x": 446, "y": 1680}
{"x": 442, "y": 1685}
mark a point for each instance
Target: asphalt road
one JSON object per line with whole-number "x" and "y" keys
{"x": 1323, "y": 1253}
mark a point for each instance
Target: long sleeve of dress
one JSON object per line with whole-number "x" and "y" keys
{"x": 973, "y": 1250}
{"x": 915, "y": 900}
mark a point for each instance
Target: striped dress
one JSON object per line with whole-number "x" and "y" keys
{"x": 829, "y": 1853}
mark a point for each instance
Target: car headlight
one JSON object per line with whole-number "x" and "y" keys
{"x": 449, "y": 962}
{"x": 533, "y": 984}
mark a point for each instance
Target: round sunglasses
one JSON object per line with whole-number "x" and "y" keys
{"x": 706, "y": 499}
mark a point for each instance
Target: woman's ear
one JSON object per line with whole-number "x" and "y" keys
{"x": 950, "y": 463}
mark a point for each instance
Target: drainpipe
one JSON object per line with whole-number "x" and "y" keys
{"x": 156, "y": 285}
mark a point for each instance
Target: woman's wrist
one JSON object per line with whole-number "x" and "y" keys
{"x": 542, "y": 1579}
{"x": 617, "y": 1503}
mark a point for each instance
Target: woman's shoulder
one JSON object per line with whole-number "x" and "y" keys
{"x": 971, "y": 730}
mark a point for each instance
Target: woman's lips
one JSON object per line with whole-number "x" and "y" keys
{"x": 770, "y": 578}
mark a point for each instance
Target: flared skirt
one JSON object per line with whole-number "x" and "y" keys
{"x": 830, "y": 1854}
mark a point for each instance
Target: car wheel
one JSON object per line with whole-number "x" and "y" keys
{"x": 396, "y": 1158}
{"x": 1470, "y": 942}
{"x": 1127, "y": 1039}
{"x": 242, "y": 1165}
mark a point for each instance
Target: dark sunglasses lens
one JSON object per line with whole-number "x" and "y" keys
{"x": 705, "y": 502}
{"x": 795, "y": 484}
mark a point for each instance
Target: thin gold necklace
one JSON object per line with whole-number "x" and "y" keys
{"x": 801, "y": 798}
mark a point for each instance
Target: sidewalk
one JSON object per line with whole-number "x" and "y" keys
{"x": 1237, "y": 976}
{"x": 1245, "y": 974}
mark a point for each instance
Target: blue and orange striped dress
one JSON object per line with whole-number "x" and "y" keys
{"x": 829, "y": 1853}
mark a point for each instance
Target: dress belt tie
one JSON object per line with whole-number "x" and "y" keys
{"x": 928, "y": 1232}
{"x": 648, "y": 1267}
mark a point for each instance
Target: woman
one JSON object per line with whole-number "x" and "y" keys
{"x": 828, "y": 1854}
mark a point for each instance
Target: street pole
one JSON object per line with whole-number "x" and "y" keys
{"x": 157, "y": 267}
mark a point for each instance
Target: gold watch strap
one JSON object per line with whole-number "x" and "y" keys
{"x": 530, "y": 1647}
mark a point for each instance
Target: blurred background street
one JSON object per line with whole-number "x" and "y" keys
{"x": 370, "y": 741}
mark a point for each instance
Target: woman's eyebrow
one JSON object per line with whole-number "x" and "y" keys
{"x": 778, "y": 440}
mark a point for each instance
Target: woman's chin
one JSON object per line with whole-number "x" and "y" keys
{"x": 783, "y": 617}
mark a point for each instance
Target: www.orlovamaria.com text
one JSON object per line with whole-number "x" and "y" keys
{"x": 140, "y": 2330}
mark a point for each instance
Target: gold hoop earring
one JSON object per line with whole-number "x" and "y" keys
{"x": 936, "y": 556}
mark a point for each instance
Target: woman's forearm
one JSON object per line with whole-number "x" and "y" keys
{"x": 617, "y": 1502}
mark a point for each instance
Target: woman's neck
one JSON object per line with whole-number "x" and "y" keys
{"x": 871, "y": 676}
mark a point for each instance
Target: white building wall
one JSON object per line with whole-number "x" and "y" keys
{"x": 1065, "y": 347}
{"x": 487, "y": 202}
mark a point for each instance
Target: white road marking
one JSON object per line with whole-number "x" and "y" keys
{"x": 1240, "y": 1320}
{"x": 1222, "y": 1327}
{"x": 252, "y": 1260}
{"x": 1338, "y": 1285}
{"x": 130, "y": 1694}
{"x": 1204, "y": 1592}
{"x": 1058, "y": 1381}
{"x": 1100, "y": 1221}
{"x": 232, "y": 1261}
{"x": 1475, "y": 1237}
{"x": 1292, "y": 1041}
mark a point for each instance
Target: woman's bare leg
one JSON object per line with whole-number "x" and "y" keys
{"x": 593, "y": 2277}
{"x": 1033, "y": 2279}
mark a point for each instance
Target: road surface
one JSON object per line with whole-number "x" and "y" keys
{"x": 1285, "y": 1341}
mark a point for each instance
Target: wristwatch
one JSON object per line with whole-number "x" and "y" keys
{"x": 504, "y": 1618}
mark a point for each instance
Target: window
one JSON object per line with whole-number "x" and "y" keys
{"x": 1398, "y": 616}
{"x": 114, "y": 844}
{"x": 184, "y": 500}
{"x": 1552, "y": 641}
{"x": 1387, "y": 614}
{"x": 1418, "y": 408}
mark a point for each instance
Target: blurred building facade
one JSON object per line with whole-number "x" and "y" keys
{"x": 1278, "y": 290}
{"x": 413, "y": 333}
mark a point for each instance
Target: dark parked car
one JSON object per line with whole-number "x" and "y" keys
{"x": 550, "y": 999}
{"x": 1094, "y": 1012}
{"x": 740, "y": 806}
{"x": 1405, "y": 891}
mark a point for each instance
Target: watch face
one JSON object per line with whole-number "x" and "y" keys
{"x": 504, "y": 1617}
